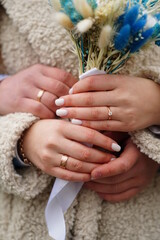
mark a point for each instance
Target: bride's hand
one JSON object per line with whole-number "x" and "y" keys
{"x": 48, "y": 140}
{"x": 133, "y": 102}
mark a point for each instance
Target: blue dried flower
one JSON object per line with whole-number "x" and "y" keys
{"x": 93, "y": 3}
{"x": 136, "y": 45}
{"x": 139, "y": 24}
{"x": 69, "y": 9}
{"x": 122, "y": 39}
{"x": 131, "y": 16}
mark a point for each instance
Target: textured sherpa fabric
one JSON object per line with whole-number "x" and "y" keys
{"x": 29, "y": 35}
{"x": 28, "y": 183}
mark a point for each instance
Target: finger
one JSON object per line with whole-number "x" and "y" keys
{"x": 83, "y": 153}
{"x": 122, "y": 164}
{"x": 113, "y": 198}
{"x": 103, "y": 98}
{"x": 96, "y": 83}
{"x": 60, "y": 75}
{"x": 86, "y": 135}
{"x": 134, "y": 172}
{"x": 76, "y": 165}
{"x": 91, "y": 113}
{"x": 101, "y": 125}
{"x": 113, "y": 189}
{"x": 119, "y": 178}
{"x": 36, "y": 108}
{"x": 68, "y": 175}
{"x": 48, "y": 99}
{"x": 53, "y": 86}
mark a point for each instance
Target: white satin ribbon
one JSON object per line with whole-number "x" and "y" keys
{"x": 63, "y": 194}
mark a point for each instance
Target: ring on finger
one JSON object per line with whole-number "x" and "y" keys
{"x": 39, "y": 95}
{"x": 110, "y": 114}
{"x": 64, "y": 160}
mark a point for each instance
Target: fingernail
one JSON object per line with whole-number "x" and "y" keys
{"x": 112, "y": 159}
{"x": 76, "y": 121}
{"x": 59, "y": 102}
{"x": 61, "y": 112}
{"x": 96, "y": 175}
{"x": 92, "y": 178}
{"x": 116, "y": 147}
{"x": 71, "y": 91}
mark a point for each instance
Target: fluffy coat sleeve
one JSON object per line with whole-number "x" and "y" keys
{"x": 26, "y": 183}
{"x": 145, "y": 140}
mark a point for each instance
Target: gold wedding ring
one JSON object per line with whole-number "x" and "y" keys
{"x": 64, "y": 160}
{"x": 39, "y": 95}
{"x": 110, "y": 114}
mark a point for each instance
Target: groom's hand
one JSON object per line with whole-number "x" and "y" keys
{"x": 124, "y": 177}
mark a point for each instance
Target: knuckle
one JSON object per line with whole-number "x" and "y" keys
{"x": 124, "y": 98}
{"x": 108, "y": 126}
{"x": 38, "y": 67}
{"x": 109, "y": 172}
{"x": 103, "y": 125}
{"x": 130, "y": 114}
{"x": 48, "y": 115}
{"x": 89, "y": 101}
{"x": 73, "y": 112}
{"x": 51, "y": 100}
{"x": 66, "y": 76}
{"x": 87, "y": 124}
{"x": 86, "y": 154}
{"x": 90, "y": 135}
{"x": 69, "y": 101}
{"x": 85, "y": 178}
{"x": 38, "y": 109}
{"x": 51, "y": 144}
{"x": 40, "y": 112}
{"x": 60, "y": 126}
{"x": 45, "y": 157}
{"x": 95, "y": 113}
{"x": 66, "y": 176}
{"x": 77, "y": 166}
{"x": 58, "y": 87}
{"x": 90, "y": 82}
{"x": 124, "y": 167}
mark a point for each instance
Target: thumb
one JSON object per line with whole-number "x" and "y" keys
{"x": 120, "y": 165}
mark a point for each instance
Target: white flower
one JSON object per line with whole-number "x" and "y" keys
{"x": 84, "y": 25}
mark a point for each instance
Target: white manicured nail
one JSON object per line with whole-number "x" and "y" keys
{"x": 116, "y": 147}
{"x": 61, "y": 112}
{"x": 112, "y": 159}
{"x": 59, "y": 102}
{"x": 76, "y": 121}
{"x": 70, "y": 91}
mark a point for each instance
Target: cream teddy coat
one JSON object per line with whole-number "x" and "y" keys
{"x": 29, "y": 35}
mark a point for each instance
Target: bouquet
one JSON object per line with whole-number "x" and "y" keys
{"x": 105, "y": 34}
